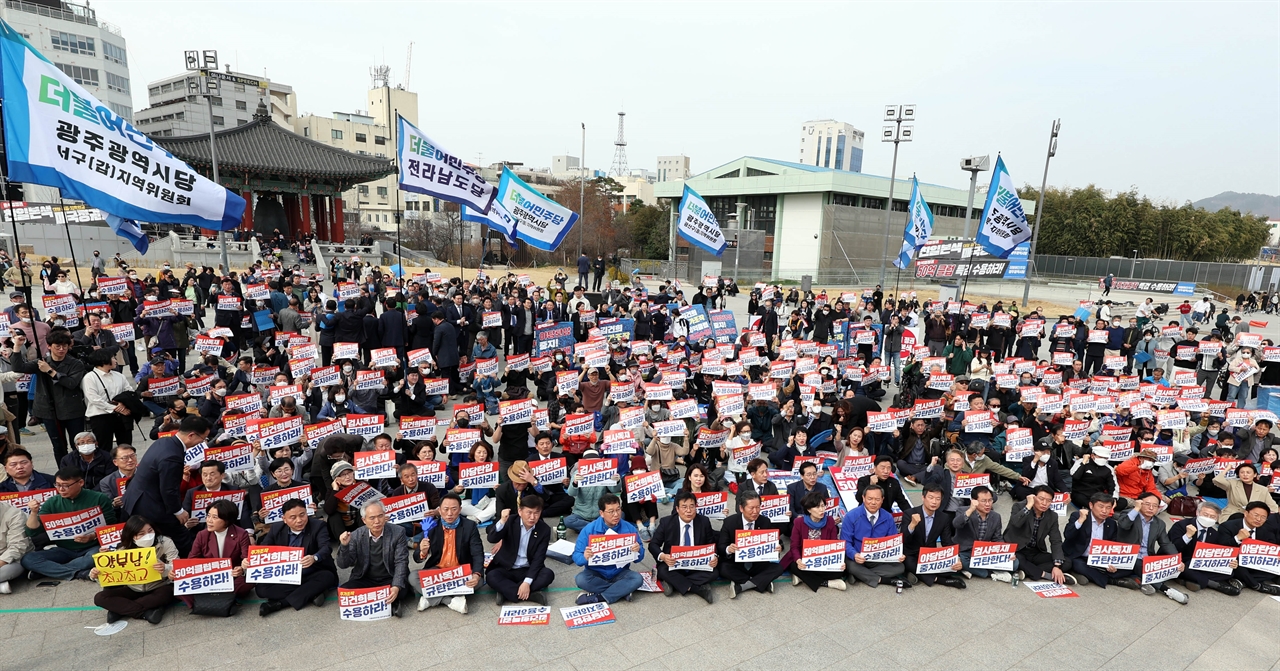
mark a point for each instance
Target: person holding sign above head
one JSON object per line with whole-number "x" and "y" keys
{"x": 319, "y": 574}
{"x": 67, "y": 519}
{"x": 1095, "y": 523}
{"x": 222, "y": 538}
{"x": 753, "y": 574}
{"x": 925, "y": 526}
{"x": 518, "y": 569}
{"x": 1187, "y": 534}
{"x": 377, "y": 554}
{"x": 146, "y": 601}
{"x": 689, "y": 532}
{"x": 453, "y": 542}
{"x": 610, "y": 582}
{"x": 814, "y": 524}
{"x": 869, "y": 520}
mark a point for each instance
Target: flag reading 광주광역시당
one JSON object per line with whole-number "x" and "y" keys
{"x": 541, "y": 222}
{"x": 919, "y": 226}
{"x": 698, "y": 225}
{"x": 57, "y": 134}
{"x": 428, "y": 168}
{"x": 1004, "y": 223}
{"x": 498, "y": 218}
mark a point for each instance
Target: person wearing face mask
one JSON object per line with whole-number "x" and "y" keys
{"x": 1145, "y": 353}
{"x": 1136, "y": 475}
{"x": 1043, "y": 470}
{"x": 147, "y": 601}
{"x": 1186, "y": 534}
{"x": 1091, "y": 474}
{"x": 339, "y": 405}
{"x": 1243, "y": 374}
{"x": 93, "y": 462}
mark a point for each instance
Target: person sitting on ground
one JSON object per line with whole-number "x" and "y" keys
{"x": 149, "y": 600}
{"x": 608, "y": 583}
{"x": 869, "y": 520}
{"x": 377, "y": 554}
{"x": 1095, "y": 523}
{"x": 23, "y": 477}
{"x": 815, "y": 524}
{"x": 518, "y": 571}
{"x": 453, "y": 542}
{"x": 14, "y": 543}
{"x": 685, "y": 527}
{"x": 979, "y": 523}
{"x": 925, "y": 527}
{"x": 319, "y": 575}
{"x": 743, "y": 576}
{"x": 68, "y": 559}
{"x": 222, "y": 538}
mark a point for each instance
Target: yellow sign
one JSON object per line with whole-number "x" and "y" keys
{"x": 126, "y": 567}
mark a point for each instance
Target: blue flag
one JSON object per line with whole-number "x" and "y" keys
{"x": 129, "y": 230}
{"x": 919, "y": 226}
{"x": 540, "y": 221}
{"x": 1004, "y": 223}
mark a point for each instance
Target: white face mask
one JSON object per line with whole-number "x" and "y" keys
{"x": 145, "y": 541}
{"x": 1044, "y": 458}
{"x": 87, "y": 448}
{"x": 1146, "y": 465}
{"x": 339, "y": 398}
{"x": 1206, "y": 522}
{"x": 347, "y": 368}
{"x": 220, "y": 391}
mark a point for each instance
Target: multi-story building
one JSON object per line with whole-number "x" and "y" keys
{"x": 175, "y": 107}
{"x": 371, "y": 133}
{"x": 565, "y": 165}
{"x": 672, "y": 168}
{"x": 828, "y": 143}
{"x": 91, "y": 52}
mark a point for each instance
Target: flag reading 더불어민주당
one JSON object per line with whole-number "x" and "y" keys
{"x": 428, "y": 168}
{"x": 541, "y": 222}
{"x": 919, "y": 226}
{"x": 499, "y": 219}
{"x": 1004, "y": 223}
{"x": 698, "y": 225}
{"x": 57, "y": 134}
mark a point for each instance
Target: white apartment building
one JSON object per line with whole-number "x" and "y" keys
{"x": 828, "y": 143}
{"x": 565, "y": 164}
{"x": 91, "y": 52}
{"x": 672, "y": 168}
{"x": 174, "y": 107}
{"x": 367, "y": 133}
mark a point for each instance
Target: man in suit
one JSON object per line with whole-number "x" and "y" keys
{"x": 769, "y": 325}
{"x": 1142, "y": 527}
{"x": 926, "y": 526}
{"x": 212, "y": 473}
{"x": 1186, "y": 533}
{"x": 742, "y": 576}
{"x": 377, "y": 554}
{"x": 686, "y": 528}
{"x": 155, "y": 491}
{"x": 1030, "y": 526}
{"x": 882, "y": 477}
{"x": 979, "y": 523}
{"x": 1042, "y": 469}
{"x": 869, "y": 520}
{"x": 319, "y": 575}
{"x": 453, "y": 542}
{"x": 1259, "y": 524}
{"x": 518, "y": 569}
{"x": 444, "y": 348}
{"x": 1095, "y": 523}
{"x": 393, "y": 329}
{"x": 808, "y": 482}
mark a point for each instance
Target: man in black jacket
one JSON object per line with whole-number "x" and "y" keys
{"x": 319, "y": 574}
{"x": 518, "y": 569}
{"x": 1095, "y": 523}
{"x": 1186, "y": 533}
{"x": 1041, "y": 469}
{"x": 155, "y": 488}
{"x": 393, "y": 330}
{"x": 59, "y": 403}
{"x": 686, "y": 529}
{"x": 926, "y": 526}
{"x": 445, "y": 350}
{"x": 1030, "y": 526}
{"x": 882, "y": 476}
{"x": 1260, "y": 525}
{"x": 769, "y": 325}
{"x": 521, "y": 482}
{"x": 350, "y": 327}
{"x": 462, "y": 537}
{"x": 742, "y": 576}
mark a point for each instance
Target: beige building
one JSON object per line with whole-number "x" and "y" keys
{"x": 367, "y": 133}
{"x": 173, "y": 109}
{"x": 672, "y": 168}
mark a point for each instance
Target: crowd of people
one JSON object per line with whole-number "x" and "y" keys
{"x": 287, "y": 409}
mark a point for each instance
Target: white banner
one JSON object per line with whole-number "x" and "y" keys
{"x": 428, "y": 168}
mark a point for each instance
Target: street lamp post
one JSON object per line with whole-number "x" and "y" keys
{"x": 1133, "y": 264}
{"x": 895, "y": 134}
{"x": 206, "y": 62}
{"x": 582, "y": 185}
{"x": 739, "y": 219}
{"x": 1035, "y": 235}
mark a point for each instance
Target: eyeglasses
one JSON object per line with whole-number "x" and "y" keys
{"x": 66, "y": 485}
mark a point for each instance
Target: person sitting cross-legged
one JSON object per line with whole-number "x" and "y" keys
{"x": 518, "y": 570}
{"x": 608, "y": 583}
{"x": 742, "y": 576}
{"x": 454, "y": 541}
{"x": 319, "y": 575}
{"x": 684, "y": 528}
{"x": 816, "y": 525}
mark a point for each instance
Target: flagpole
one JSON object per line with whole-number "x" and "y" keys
{"x": 62, "y": 209}
{"x": 1035, "y": 236}
{"x": 17, "y": 248}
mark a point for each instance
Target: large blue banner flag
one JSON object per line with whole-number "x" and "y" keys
{"x": 919, "y": 226}
{"x": 698, "y": 225}
{"x": 540, "y": 221}
{"x": 499, "y": 219}
{"x": 428, "y": 168}
{"x": 1004, "y": 223}
{"x": 57, "y": 134}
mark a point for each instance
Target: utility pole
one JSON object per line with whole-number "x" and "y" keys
{"x": 582, "y": 186}
{"x": 896, "y": 133}
{"x": 1035, "y": 233}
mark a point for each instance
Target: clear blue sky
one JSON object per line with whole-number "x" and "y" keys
{"x": 1181, "y": 100}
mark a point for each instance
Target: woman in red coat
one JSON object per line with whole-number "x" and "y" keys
{"x": 221, "y": 538}
{"x": 816, "y": 525}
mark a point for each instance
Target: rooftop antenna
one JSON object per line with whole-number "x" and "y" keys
{"x": 620, "y": 150}
{"x": 380, "y": 76}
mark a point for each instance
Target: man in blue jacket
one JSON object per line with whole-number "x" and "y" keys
{"x": 869, "y": 520}
{"x": 610, "y": 582}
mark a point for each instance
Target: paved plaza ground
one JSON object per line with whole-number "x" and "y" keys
{"x": 990, "y": 625}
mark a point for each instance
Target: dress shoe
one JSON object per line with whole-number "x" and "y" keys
{"x": 154, "y": 615}
{"x": 539, "y": 598}
{"x": 318, "y": 601}
{"x": 270, "y": 606}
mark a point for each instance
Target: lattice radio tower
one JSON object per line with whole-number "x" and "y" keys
{"x": 620, "y": 150}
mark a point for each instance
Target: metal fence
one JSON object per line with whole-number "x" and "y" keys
{"x": 1251, "y": 275}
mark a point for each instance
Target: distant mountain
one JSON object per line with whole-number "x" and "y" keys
{"x": 1255, "y": 203}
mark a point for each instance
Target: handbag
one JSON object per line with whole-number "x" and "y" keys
{"x": 129, "y": 399}
{"x": 213, "y": 605}
{"x": 1183, "y": 506}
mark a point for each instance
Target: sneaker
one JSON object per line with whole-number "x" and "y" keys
{"x": 1001, "y": 576}
{"x": 424, "y": 603}
{"x": 645, "y": 534}
{"x": 912, "y": 579}
{"x": 626, "y": 598}
{"x": 836, "y": 583}
{"x": 458, "y": 604}
{"x": 5, "y": 588}
{"x": 1176, "y": 596}
{"x": 795, "y": 581}
{"x": 1020, "y": 575}
{"x": 1069, "y": 579}
{"x": 1267, "y": 588}
{"x": 967, "y": 575}
{"x": 1077, "y": 579}
{"x": 1148, "y": 590}
{"x": 26, "y": 432}
{"x": 734, "y": 590}
{"x": 587, "y": 597}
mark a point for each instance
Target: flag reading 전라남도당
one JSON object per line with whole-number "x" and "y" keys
{"x": 58, "y": 134}
{"x": 427, "y": 168}
{"x": 919, "y": 226}
{"x": 541, "y": 222}
{"x": 698, "y": 225}
{"x": 1004, "y": 223}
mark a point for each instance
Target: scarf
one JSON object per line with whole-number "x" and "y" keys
{"x": 808, "y": 519}
{"x": 454, "y": 525}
